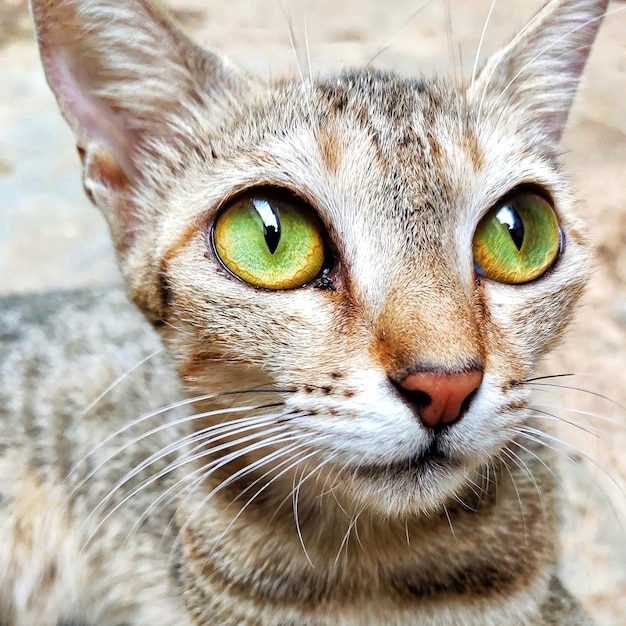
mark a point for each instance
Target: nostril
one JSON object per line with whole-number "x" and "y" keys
{"x": 465, "y": 405}
{"x": 440, "y": 399}
{"x": 418, "y": 398}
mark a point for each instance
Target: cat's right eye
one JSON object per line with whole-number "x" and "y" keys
{"x": 270, "y": 240}
{"x": 518, "y": 240}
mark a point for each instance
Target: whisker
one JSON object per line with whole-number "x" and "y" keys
{"x": 450, "y": 40}
{"x": 191, "y": 457}
{"x": 346, "y": 537}
{"x": 164, "y": 409}
{"x": 530, "y": 24}
{"x": 174, "y": 491}
{"x": 260, "y": 478}
{"x": 551, "y": 376}
{"x": 580, "y": 390}
{"x": 202, "y": 474}
{"x": 205, "y": 471}
{"x": 480, "y": 44}
{"x": 290, "y": 462}
{"x": 447, "y": 514}
{"x": 307, "y": 50}
{"x": 542, "y": 438}
{"x": 546, "y": 49}
{"x": 157, "y": 429}
{"x": 387, "y": 43}
{"x": 479, "y": 489}
{"x": 295, "y": 493}
{"x": 475, "y": 488}
{"x": 513, "y": 458}
{"x": 294, "y": 47}
{"x": 589, "y": 414}
{"x": 117, "y": 381}
{"x": 241, "y": 473}
{"x": 520, "y": 35}
{"x": 168, "y": 469}
{"x": 326, "y": 461}
{"x": 545, "y": 415}
{"x": 537, "y": 458}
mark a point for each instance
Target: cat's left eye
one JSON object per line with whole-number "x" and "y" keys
{"x": 270, "y": 240}
{"x": 518, "y": 240}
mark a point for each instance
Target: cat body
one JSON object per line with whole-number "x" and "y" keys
{"x": 358, "y": 446}
{"x": 66, "y": 565}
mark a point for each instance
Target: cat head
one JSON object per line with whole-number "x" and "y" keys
{"x": 392, "y": 255}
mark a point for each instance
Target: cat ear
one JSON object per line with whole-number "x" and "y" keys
{"x": 125, "y": 78}
{"x": 538, "y": 72}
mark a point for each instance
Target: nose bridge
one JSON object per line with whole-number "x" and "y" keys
{"x": 429, "y": 327}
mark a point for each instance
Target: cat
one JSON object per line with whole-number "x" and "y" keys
{"x": 354, "y": 279}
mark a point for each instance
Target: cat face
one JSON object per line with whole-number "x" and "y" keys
{"x": 407, "y": 201}
{"x": 398, "y": 185}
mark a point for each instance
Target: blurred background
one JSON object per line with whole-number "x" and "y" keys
{"x": 51, "y": 237}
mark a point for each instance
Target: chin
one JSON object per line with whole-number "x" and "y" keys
{"x": 420, "y": 486}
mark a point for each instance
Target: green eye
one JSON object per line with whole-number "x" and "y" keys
{"x": 518, "y": 240}
{"x": 270, "y": 241}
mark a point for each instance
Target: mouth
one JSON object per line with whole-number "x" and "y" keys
{"x": 432, "y": 460}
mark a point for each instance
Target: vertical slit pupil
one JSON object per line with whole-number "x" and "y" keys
{"x": 271, "y": 223}
{"x": 510, "y": 218}
{"x": 272, "y": 236}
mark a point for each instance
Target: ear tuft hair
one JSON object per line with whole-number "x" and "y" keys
{"x": 539, "y": 71}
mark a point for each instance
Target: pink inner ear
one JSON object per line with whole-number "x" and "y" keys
{"x": 94, "y": 123}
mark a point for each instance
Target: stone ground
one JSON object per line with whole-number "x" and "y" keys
{"x": 50, "y": 236}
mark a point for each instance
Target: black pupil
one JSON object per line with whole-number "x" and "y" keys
{"x": 271, "y": 223}
{"x": 510, "y": 218}
{"x": 272, "y": 236}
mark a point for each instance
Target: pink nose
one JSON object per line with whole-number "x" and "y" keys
{"x": 443, "y": 397}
